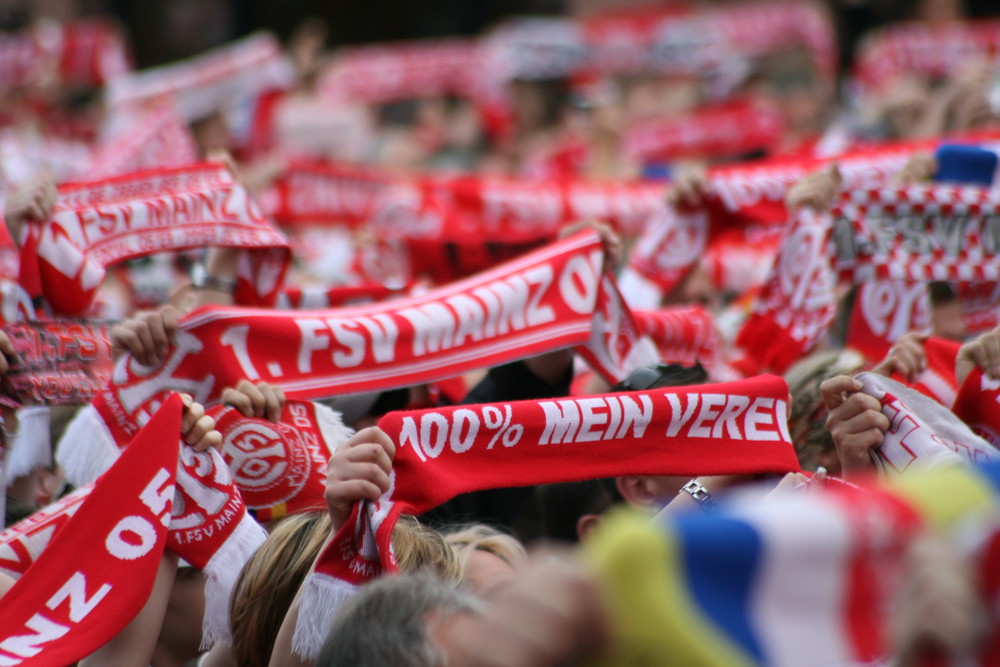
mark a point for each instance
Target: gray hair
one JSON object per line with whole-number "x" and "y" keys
{"x": 385, "y": 623}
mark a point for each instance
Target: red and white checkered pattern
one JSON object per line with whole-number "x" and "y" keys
{"x": 918, "y": 233}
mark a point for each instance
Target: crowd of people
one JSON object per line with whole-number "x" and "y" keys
{"x": 653, "y": 335}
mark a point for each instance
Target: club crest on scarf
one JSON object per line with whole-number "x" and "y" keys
{"x": 280, "y": 467}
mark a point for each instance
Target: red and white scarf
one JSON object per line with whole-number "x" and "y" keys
{"x": 884, "y": 311}
{"x": 318, "y": 298}
{"x": 727, "y": 130}
{"x": 59, "y": 362}
{"x": 207, "y": 520}
{"x": 381, "y": 73}
{"x": 153, "y": 138}
{"x": 749, "y": 199}
{"x": 918, "y": 233}
{"x": 544, "y": 301}
{"x": 733, "y": 428}
{"x": 922, "y": 433}
{"x": 84, "y": 53}
{"x": 98, "y": 224}
{"x": 101, "y": 565}
{"x": 280, "y": 467}
{"x": 458, "y": 208}
{"x": 682, "y": 335}
{"x": 209, "y": 81}
{"x": 929, "y": 49}
{"x": 796, "y": 305}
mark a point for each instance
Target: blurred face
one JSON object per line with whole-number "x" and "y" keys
{"x": 486, "y": 572}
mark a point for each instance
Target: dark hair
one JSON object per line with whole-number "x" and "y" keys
{"x": 562, "y": 505}
{"x": 662, "y": 375}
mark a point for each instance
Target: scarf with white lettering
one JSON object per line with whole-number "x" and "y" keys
{"x": 922, "y": 232}
{"x": 280, "y": 467}
{"x": 540, "y": 302}
{"x": 100, "y": 569}
{"x": 922, "y": 433}
{"x": 208, "y": 523}
{"x": 883, "y": 312}
{"x": 431, "y": 207}
{"x": 59, "y": 362}
{"x": 732, "y": 129}
{"x": 101, "y": 223}
{"x": 732, "y": 428}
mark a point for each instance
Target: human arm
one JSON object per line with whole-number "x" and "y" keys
{"x": 133, "y": 646}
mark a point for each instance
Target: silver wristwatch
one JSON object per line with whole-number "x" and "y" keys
{"x": 700, "y": 494}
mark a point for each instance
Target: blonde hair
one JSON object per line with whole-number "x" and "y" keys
{"x": 422, "y": 549}
{"x": 466, "y": 540}
{"x": 268, "y": 582}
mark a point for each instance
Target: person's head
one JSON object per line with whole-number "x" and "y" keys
{"x": 391, "y": 622}
{"x": 570, "y": 511}
{"x": 422, "y": 549}
{"x": 268, "y": 582}
{"x": 649, "y": 493}
{"x": 489, "y": 557}
{"x": 946, "y": 311}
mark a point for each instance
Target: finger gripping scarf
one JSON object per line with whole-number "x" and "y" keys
{"x": 730, "y": 428}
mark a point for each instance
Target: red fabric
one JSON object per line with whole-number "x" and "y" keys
{"x": 978, "y": 405}
{"x": 727, "y": 130}
{"x": 541, "y": 302}
{"x": 278, "y": 467}
{"x": 938, "y": 380}
{"x": 99, "y": 569}
{"x": 922, "y": 232}
{"x": 683, "y": 335}
{"x": 884, "y": 311}
{"x": 728, "y": 428}
{"x": 97, "y": 224}
{"x": 796, "y": 305}
{"x": 928, "y": 49}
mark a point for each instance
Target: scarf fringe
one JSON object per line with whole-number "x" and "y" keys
{"x": 87, "y": 448}
{"x": 29, "y": 448}
{"x": 332, "y": 427}
{"x": 322, "y": 597}
{"x": 221, "y": 573}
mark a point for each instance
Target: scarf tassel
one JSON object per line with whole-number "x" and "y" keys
{"x": 322, "y": 597}
{"x": 87, "y": 449}
{"x": 221, "y": 573}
